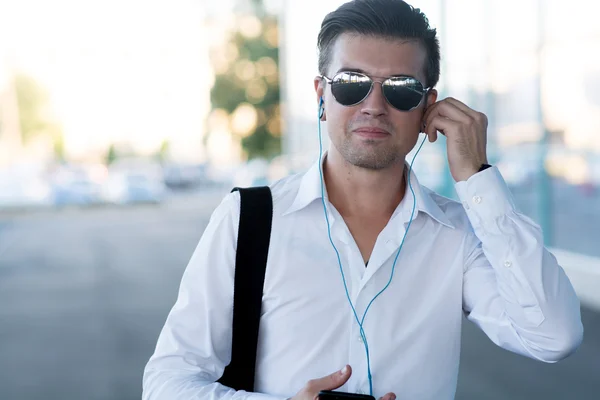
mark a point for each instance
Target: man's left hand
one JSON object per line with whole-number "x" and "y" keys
{"x": 466, "y": 134}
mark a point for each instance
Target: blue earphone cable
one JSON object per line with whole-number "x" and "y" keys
{"x": 361, "y": 321}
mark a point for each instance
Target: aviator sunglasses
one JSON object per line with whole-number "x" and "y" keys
{"x": 404, "y": 93}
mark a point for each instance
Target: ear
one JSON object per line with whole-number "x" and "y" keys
{"x": 320, "y": 92}
{"x": 430, "y": 99}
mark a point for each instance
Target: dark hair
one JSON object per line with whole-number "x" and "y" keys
{"x": 394, "y": 19}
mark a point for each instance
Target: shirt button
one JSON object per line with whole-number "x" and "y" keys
{"x": 360, "y": 339}
{"x": 507, "y": 264}
{"x": 476, "y": 199}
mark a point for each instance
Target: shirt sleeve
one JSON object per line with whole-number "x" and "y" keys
{"x": 194, "y": 345}
{"x": 513, "y": 287}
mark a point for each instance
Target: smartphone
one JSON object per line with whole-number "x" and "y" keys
{"x": 333, "y": 395}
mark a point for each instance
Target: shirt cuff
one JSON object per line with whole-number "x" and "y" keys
{"x": 485, "y": 197}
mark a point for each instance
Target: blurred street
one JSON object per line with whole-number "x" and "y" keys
{"x": 84, "y": 293}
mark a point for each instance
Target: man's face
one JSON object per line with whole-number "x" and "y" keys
{"x": 353, "y": 129}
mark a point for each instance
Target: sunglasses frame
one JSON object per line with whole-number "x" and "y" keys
{"x": 373, "y": 81}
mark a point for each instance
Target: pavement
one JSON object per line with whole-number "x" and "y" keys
{"x": 84, "y": 294}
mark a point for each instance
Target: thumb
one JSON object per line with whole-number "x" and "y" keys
{"x": 331, "y": 382}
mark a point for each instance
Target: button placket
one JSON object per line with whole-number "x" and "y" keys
{"x": 356, "y": 356}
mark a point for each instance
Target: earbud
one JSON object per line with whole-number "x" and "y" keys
{"x": 321, "y": 107}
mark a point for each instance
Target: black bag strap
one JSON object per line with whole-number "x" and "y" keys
{"x": 254, "y": 236}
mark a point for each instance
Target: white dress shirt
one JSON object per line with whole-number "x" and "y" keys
{"x": 480, "y": 257}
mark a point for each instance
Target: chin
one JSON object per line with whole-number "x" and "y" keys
{"x": 373, "y": 160}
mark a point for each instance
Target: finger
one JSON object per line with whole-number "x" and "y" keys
{"x": 432, "y": 137}
{"x": 460, "y": 105}
{"x": 388, "y": 396}
{"x": 449, "y": 110}
{"x": 442, "y": 125}
{"x": 479, "y": 117}
{"x": 429, "y": 110}
{"x": 330, "y": 382}
{"x": 433, "y": 108}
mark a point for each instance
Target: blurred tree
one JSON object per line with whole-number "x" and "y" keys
{"x": 35, "y": 117}
{"x": 245, "y": 93}
{"x": 111, "y": 154}
{"x": 163, "y": 151}
{"x": 31, "y": 100}
{"x": 59, "y": 148}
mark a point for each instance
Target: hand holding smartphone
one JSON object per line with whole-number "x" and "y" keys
{"x": 333, "y": 395}
{"x": 323, "y": 388}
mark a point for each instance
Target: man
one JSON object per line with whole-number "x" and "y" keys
{"x": 375, "y": 234}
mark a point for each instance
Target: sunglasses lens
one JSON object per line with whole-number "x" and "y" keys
{"x": 403, "y": 93}
{"x": 350, "y": 88}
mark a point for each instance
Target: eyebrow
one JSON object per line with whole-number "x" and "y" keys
{"x": 346, "y": 69}
{"x": 360, "y": 71}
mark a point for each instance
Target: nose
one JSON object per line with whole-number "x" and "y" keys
{"x": 375, "y": 104}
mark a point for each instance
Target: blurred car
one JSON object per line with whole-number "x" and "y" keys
{"x": 185, "y": 176}
{"x": 79, "y": 191}
{"x": 132, "y": 188}
{"x": 24, "y": 185}
{"x": 76, "y": 184}
{"x": 24, "y": 193}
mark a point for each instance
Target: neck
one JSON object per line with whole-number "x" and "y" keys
{"x": 360, "y": 192}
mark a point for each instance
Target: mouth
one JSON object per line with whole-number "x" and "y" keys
{"x": 372, "y": 133}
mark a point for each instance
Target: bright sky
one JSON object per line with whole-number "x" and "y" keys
{"x": 115, "y": 69}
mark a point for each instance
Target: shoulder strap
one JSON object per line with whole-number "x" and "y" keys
{"x": 254, "y": 236}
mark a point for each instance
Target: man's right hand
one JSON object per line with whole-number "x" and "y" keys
{"x": 330, "y": 382}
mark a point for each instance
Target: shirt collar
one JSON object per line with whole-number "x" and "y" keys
{"x": 309, "y": 190}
